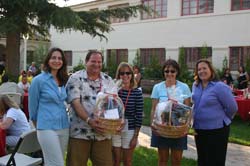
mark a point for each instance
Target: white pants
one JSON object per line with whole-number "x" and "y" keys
{"x": 54, "y": 144}
{"x": 123, "y": 140}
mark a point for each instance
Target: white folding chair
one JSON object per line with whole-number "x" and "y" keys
{"x": 27, "y": 144}
{"x": 16, "y": 97}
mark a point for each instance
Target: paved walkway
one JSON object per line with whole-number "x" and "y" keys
{"x": 237, "y": 155}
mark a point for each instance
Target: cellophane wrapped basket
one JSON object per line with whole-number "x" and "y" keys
{"x": 172, "y": 119}
{"x": 110, "y": 112}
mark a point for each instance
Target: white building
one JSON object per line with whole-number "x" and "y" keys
{"x": 223, "y": 25}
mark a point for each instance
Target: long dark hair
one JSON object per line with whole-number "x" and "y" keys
{"x": 62, "y": 74}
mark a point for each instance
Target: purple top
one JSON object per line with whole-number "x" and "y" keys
{"x": 213, "y": 105}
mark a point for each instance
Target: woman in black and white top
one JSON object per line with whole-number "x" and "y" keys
{"x": 133, "y": 103}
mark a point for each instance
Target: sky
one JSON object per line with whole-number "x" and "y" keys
{"x": 70, "y": 2}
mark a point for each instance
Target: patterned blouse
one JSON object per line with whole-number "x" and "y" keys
{"x": 80, "y": 87}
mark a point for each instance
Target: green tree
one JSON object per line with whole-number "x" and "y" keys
{"x": 137, "y": 59}
{"x": 37, "y": 16}
{"x": 40, "y": 54}
{"x": 248, "y": 64}
{"x": 111, "y": 64}
{"x": 185, "y": 75}
{"x": 204, "y": 51}
{"x": 153, "y": 70}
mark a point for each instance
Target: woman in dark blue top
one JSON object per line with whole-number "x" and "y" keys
{"x": 133, "y": 103}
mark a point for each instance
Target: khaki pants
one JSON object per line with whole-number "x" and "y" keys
{"x": 80, "y": 150}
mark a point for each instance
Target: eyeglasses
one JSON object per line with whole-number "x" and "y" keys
{"x": 169, "y": 71}
{"x": 123, "y": 73}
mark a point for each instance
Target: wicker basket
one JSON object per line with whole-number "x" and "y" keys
{"x": 110, "y": 125}
{"x": 169, "y": 130}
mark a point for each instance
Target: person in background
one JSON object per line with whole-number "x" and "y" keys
{"x": 24, "y": 84}
{"x": 33, "y": 69}
{"x": 243, "y": 78}
{"x": 13, "y": 120}
{"x": 138, "y": 76}
{"x": 29, "y": 76}
{"x": 163, "y": 91}
{"x": 7, "y": 86}
{"x": 214, "y": 109}
{"x": 133, "y": 103}
{"x": 86, "y": 136}
{"x": 47, "y": 108}
{"x": 21, "y": 75}
{"x": 227, "y": 77}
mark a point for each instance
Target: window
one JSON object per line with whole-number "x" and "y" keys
{"x": 68, "y": 57}
{"x": 191, "y": 7}
{"x": 147, "y": 55}
{"x": 117, "y": 56}
{"x": 159, "y": 8}
{"x": 193, "y": 54}
{"x": 240, "y": 4}
{"x": 118, "y": 20}
{"x": 238, "y": 57}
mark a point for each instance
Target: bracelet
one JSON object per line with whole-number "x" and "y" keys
{"x": 87, "y": 120}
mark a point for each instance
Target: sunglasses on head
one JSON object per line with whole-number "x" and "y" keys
{"x": 169, "y": 71}
{"x": 123, "y": 73}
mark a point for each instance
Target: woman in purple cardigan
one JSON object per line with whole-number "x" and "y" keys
{"x": 214, "y": 109}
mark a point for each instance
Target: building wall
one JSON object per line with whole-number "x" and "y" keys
{"x": 220, "y": 30}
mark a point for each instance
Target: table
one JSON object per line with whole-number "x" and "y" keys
{"x": 26, "y": 105}
{"x": 2, "y": 142}
{"x": 243, "y": 107}
{"x": 238, "y": 92}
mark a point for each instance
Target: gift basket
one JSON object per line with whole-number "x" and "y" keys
{"x": 172, "y": 119}
{"x": 110, "y": 110}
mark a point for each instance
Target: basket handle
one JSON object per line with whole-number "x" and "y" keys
{"x": 170, "y": 114}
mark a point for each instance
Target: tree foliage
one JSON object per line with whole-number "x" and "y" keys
{"x": 37, "y": 16}
{"x": 185, "y": 75}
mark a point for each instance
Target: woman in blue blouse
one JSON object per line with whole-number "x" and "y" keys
{"x": 47, "y": 109}
{"x": 133, "y": 103}
{"x": 163, "y": 91}
{"x": 214, "y": 108}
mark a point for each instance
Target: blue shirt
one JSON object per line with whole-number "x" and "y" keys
{"x": 179, "y": 92}
{"x": 213, "y": 105}
{"x": 46, "y": 103}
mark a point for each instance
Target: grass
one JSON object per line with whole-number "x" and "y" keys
{"x": 240, "y": 130}
{"x": 148, "y": 157}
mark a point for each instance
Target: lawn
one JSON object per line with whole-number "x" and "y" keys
{"x": 148, "y": 157}
{"x": 240, "y": 130}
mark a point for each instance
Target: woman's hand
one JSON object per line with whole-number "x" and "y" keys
{"x": 133, "y": 142}
{"x": 154, "y": 130}
{"x": 119, "y": 129}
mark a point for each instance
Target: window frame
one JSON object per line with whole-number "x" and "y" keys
{"x": 243, "y": 55}
{"x": 146, "y": 54}
{"x": 241, "y": 6}
{"x": 69, "y": 57}
{"x": 197, "y": 7}
{"x": 145, "y": 16}
{"x": 194, "y": 55}
{"x": 118, "y": 55}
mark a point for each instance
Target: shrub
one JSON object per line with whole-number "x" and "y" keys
{"x": 80, "y": 66}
